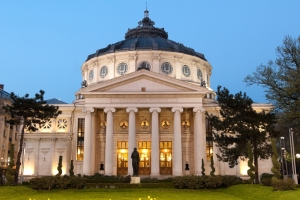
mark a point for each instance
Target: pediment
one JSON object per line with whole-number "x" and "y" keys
{"x": 143, "y": 81}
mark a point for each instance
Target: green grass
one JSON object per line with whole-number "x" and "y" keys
{"x": 235, "y": 192}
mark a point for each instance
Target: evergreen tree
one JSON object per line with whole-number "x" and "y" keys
{"x": 276, "y": 165}
{"x": 239, "y": 124}
{"x": 71, "y": 171}
{"x": 28, "y": 112}
{"x": 250, "y": 163}
{"x": 203, "y": 169}
{"x": 10, "y": 171}
{"x": 212, "y": 172}
{"x": 59, "y": 167}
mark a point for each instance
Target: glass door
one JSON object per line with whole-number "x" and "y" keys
{"x": 144, "y": 149}
{"x": 165, "y": 158}
{"x": 122, "y": 158}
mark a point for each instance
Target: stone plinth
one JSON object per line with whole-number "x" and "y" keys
{"x": 135, "y": 180}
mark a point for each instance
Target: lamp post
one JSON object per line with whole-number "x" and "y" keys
{"x": 294, "y": 174}
{"x": 282, "y": 153}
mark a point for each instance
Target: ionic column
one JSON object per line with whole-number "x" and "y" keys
{"x": 199, "y": 140}
{"x": 108, "y": 163}
{"x": 87, "y": 161}
{"x": 177, "y": 147}
{"x": 131, "y": 136}
{"x": 155, "y": 142}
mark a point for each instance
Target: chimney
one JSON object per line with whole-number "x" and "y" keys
{"x": 1, "y": 86}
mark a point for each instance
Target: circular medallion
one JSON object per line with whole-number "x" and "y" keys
{"x": 122, "y": 68}
{"x": 166, "y": 68}
{"x": 144, "y": 124}
{"x": 103, "y": 71}
{"x": 186, "y": 70}
{"x": 123, "y": 124}
{"x": 165, "y": 124}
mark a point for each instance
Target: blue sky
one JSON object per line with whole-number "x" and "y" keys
{"x": 44, "y": 43}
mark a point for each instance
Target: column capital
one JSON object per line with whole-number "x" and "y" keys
{"x": 88, "y": 109}
{"x": 131, "y": 109}
{"x": 155, "y": 109}
{"x": 109, "y": 110}
{"x": 196, "y": 109}
{"x": 177, "y": 109}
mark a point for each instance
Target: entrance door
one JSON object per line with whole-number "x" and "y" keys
{"x": 122, "y": 158}
{"x": 145, "y": 162}
{"x": 165, "y": 163}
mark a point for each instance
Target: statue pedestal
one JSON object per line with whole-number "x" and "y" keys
{"x": 135, "y": 180}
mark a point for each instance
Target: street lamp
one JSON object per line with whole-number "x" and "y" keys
{"x": 294, "y": 174}
{"x": 283, "y": 159}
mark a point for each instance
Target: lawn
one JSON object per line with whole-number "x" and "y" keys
{"x": 232, "y": 193}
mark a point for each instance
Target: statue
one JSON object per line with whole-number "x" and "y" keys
{"x": 203, "y": 83}
{"x": 84, "y": 84}
{"x": 135, "y": 156}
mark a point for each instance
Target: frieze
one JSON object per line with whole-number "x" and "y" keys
{"x": 142, "y": 100}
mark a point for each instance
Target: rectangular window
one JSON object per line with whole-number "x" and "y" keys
{"x": 209, "y": 140}
{"x": 80, "y": 138}
{"x": 144, "y": 149}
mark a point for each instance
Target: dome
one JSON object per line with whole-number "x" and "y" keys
{"x": 146, "y": 37}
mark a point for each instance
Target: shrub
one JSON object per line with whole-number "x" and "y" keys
{"x": 213, "y": 182}
{"x": 149, "y": 180}
{"x": 287, "y": 184}
{"x": 51, "y": 182}
{"x": 100, "y": 178}
{"x": 229, "y": 180}
{"x": 266, "y": 179}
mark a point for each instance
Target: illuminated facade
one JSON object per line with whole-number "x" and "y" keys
{"x": 147, "y": 92}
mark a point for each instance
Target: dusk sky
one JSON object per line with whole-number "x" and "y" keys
{"x": 43, "y": 44}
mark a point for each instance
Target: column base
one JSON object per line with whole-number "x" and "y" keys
{"x": 135, "y": 180}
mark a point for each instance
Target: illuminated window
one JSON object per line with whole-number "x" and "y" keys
{"x": 80, "y": 138}
{"x": 144, "y": 149}
{"x": 209, "y": 140}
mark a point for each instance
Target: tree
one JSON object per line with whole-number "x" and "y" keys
{"x": 239, "y": 124}
{"x": 281, "y": 80}
{"x": 276, "y": 165}
{"x": 71, "y": 170}
{"x": 212, "y": 172}
{"x": 10, "y": 171}
{"x": 250, "y": 163}
{"x": 28, "y": 112}
{"x": 203, "y": 169}
{"x": 59, "y": 167}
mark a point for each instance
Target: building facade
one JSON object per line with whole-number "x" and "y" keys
{"x": 147, "y": 92}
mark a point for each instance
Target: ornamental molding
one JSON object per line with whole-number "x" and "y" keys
{"x": 45, "y": 150}
{"x": 60, "y": 150}
{"x": 178, "y": 59}
{"x": 85, "y": 67}
{"x": 95, "y": 63}
{"x": 88, "y": 110}
{"x": 154, "y": 57}
{"x": 143, "y": 100}
{"x": 29, "y": 150}
{"x": 111, "y": 59}
{"x": 132, "y": 57}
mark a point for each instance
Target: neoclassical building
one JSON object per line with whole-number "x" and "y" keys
{"x": 145, "y": 91}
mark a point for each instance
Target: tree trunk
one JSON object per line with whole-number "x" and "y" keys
{"x": 18, "y": 162}
{"x": 256, "y": 169}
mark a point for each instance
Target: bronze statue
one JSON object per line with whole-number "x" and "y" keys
{"x": 135, "y": 156}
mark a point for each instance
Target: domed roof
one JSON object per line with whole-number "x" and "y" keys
{"x": 146, "y": 37}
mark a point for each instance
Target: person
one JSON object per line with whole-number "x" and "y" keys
{"x": 135, "y": 156}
